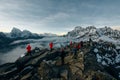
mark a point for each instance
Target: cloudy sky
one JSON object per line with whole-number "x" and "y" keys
{"x": 58, "y": 16}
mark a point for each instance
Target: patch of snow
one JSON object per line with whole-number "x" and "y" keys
{"x": 119, "y": 75}
{"x": 108, "y": 60}
{"x": 22, "y": 55}
{"x": 117, "y": 67}
{"x": 117, "y": 47}
{"x": 115, "y": 51}
{"x": 99, "y": 58}
{"x": 117, "y": 59}
{"x": 95, "y": 50}
{"x": 99, "y": 32}
{"x": 107, "y": 39}
{"x": 104, "y": 63}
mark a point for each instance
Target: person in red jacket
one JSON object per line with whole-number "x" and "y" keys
{"x": 79, "y": 46}
{"x": 70, "y": 43}
{"x": 75, "y": 51}
{"x": 28, "y": 48}
{"x": 51, "y": 46}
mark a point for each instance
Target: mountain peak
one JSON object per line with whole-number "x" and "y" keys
{"x": 15, "y": 30}
{"x": 78, "y": 27}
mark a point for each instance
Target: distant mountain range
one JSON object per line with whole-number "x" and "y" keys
{"x": 79, "y": 33}
{"x": 25, "y": 34}
{"x": 17, "y": 34}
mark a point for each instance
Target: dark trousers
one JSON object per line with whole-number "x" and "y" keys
{"x": 75, "y": 55}
{"x": 62, "y": 60}
{"x": 29, "y": 53}
{"x": 51, "y": 49}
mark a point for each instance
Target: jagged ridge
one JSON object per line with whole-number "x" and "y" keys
{"x": 93, "y": 32}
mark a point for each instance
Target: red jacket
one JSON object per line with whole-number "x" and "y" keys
{"x": 70, "y": 43}
{"x": 51, "y": 45}
{"x": 79, "y": 46}
{"x": 28, "y": 48}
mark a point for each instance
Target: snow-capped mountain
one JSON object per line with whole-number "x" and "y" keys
{"x": 79, "y": 32}
{"x": 16, "y": 33}
{"x": 94, "y": 33}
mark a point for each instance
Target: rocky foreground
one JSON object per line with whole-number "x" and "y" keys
{"x": 46, "y": 65}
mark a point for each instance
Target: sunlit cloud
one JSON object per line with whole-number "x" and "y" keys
{"x": 116, "y": 27}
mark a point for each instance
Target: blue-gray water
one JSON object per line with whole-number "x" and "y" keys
{"x": 11, "y": 55}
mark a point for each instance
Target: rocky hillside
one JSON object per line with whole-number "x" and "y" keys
{"x": 46, "y": 65}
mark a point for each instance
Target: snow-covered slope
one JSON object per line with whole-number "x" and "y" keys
{"x": 105, "y": 33}
{"x": 80, "y": 32}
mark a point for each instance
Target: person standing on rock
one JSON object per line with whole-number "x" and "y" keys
{"x": 62, "y": 55}
{"x": 90, "y": 42}
{"x": 71, "y": 45}
{"x": 28, "y": 48}
{"x": 79, "y": 46}
{"x": 51, "y": 46}
{"x": 75, "y": 51}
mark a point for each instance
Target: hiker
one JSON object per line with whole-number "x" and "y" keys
{"x": 51, "y": 46}
{"x": 28, "y": 48}
{"x": 71, "y": 45}
{"x": 62, "y": 55}
{"x": 90, "y": 41}
{"x": 78, "y": 46}
{"x": 81, "y": 44}
{"x": 75, "y": 51}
